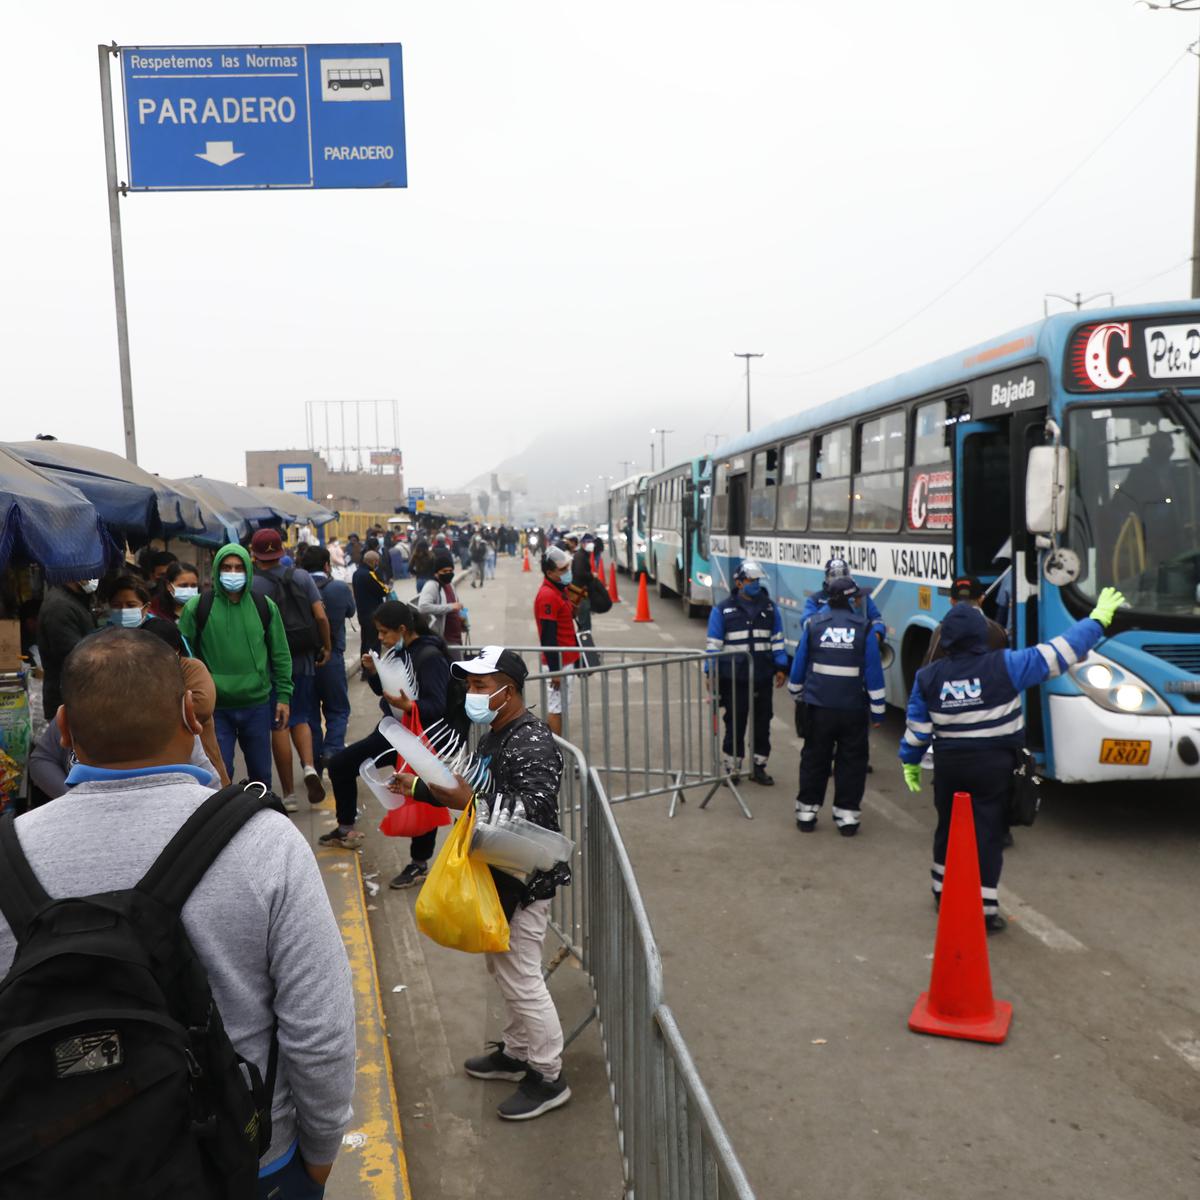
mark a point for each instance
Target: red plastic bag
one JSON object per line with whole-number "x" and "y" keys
{"x": 413, "y": 817}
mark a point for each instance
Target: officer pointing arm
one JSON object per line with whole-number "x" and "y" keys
{"x": 1025, "y": 668}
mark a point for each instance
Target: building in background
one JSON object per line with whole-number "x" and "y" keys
{"x": 377, "y": 488}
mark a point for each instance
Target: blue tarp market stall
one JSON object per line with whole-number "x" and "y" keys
{"x": 49, "y": 523}
{"x": 129, "y": 499}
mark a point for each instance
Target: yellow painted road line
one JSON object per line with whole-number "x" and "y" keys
{"x": 375, "y": 1144}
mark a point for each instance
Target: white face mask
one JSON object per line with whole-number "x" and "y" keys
{"x": 90, "y": 585}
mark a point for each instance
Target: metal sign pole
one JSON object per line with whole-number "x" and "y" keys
{"x": 114, "y": 225}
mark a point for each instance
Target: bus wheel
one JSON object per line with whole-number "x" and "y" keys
{"x": 335, "y": 87}
{"x": 366, "y": 87}
{"x": 912, "y": 654}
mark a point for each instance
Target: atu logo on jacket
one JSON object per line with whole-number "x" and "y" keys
{"x": 960, "y": 691}
{"x": 837, "y": 636}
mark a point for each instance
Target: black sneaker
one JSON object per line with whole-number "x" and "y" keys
{"x": 410, "y": 876}
{"x": 848, "y": 830}
{"x": 995, "y": 923}
{"x": 314, "y": 787}
{"x": 496, "y": 1065}
{"x": 1007, "y": 840}
{"x": 534, "y": 1097}
{"x": 759, "y": 775}
{"x": 806, "y": 826}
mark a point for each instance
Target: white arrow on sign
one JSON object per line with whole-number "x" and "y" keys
{"x": 220, "y": 153}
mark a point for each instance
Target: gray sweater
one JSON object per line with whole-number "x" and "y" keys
{"x": 259, "y": 920}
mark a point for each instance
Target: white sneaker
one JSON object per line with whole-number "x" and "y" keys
{"x": 291, "y": 804}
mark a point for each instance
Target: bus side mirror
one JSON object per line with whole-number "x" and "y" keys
{"x": 1046, "y": 476}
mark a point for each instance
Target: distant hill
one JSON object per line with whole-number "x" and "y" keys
{"x": 562, "y": 461}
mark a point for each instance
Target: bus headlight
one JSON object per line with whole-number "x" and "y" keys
{"x": 1116, "y": 689}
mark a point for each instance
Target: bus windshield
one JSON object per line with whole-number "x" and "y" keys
{"x": 1135, "y": 506}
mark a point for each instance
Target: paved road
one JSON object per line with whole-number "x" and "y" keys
{"x": 792, "y": 962}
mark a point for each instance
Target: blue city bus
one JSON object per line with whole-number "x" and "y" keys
{"x": 627, "y": 524}
{"x": 677, "y": 520}
{"x": 1049, "y": 463}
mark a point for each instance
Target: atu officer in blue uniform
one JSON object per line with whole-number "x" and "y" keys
{"x": 837, "y": 675}
{"x": 969, "y": 705}
{"x": 749, "y": 617}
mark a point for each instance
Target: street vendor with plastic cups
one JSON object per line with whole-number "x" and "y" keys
{"x": 526, "y": 768}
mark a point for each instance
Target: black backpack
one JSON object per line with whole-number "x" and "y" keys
{"x": 295, "y": 608}
{"x": 456, "y": 690}
{"x": 598, "y": 596}
{"x": 204, "y": 611}
{"x": 117, "y": 1079}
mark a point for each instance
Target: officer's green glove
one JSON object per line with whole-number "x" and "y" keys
{"x": 1107, "y": 604}
{"x": 912, "y": 776}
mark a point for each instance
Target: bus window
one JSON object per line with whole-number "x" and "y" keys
{"x": 793, "y": 487}
{"x": 720, "y": 497}
{"x": 933, "y": 430}
{"x": 879, "y": 486}
{"x": 737, "y": 505}
{"x": 831, "y": 481}
{"x": 763, "y": 467}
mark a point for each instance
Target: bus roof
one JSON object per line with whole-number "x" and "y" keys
{"x": 1044, "y": 339}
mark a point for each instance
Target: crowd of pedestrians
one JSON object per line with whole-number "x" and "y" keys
{"x": 162, "y": 683}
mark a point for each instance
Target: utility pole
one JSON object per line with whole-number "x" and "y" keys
{"x": 1077, "y": 300}
{"x": 652, "y": 454}
{"x": 626, "y": 463}
{"x": 747, "y": 357}
{"x": 1189, "y": 6}
{"x": 662, "y": 450}
{"x": 118, "y": 256}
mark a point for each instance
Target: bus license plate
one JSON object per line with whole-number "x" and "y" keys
{"x": 1125, "y": 753}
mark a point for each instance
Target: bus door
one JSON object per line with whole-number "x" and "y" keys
{"x": 983, "y": 496}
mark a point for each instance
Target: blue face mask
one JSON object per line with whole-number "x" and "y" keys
{"x": 479, "y": 709}
{"x": 565, "y": 577}
{"x": 752, "y": 587}
{"x": 125, "y": 618}
{"x": 184, "y": 594}
{"x": 232, "y": 581}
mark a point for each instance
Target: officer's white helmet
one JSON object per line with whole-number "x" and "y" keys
{"x": 750, "y": 570}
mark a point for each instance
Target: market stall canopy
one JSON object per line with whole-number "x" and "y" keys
{"x": 220, "y": 526}
{"x": 47, "y": 522}
{"x": 234, "y": 502}
{"x": 126, "y": 496}
{"x": 294, "y": 509}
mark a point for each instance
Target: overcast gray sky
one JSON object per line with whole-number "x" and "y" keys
{"x": 604, "y": 202}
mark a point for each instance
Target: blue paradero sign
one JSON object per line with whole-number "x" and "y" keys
{"x": 243, "y": 117}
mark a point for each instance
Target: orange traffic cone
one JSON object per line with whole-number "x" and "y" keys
{"x": 612, "y": 583}
{"x": 525, "y": 567}
{"x": 959, "y": 1002}
{"x": 643, "y": 601}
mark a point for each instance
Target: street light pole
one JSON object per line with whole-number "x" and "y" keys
{"x": 652, "y": 454}
{"x": 1078, "y": 300}
{"x": 662, "y": 451}
{"x": 747, "y": 357}
{"x": 626, "y": 463}
{"x": 1190, "y": 6}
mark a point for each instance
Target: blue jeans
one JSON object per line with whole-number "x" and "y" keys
{"x": 251, "y": 729}
{"x": 291, "y": 1182}
{"x": 333, "y": 698}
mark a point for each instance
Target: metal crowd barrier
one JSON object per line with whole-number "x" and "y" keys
{"x": 673, "y": 1145}
{"x": 649, "y": 720}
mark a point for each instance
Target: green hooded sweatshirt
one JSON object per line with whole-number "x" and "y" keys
{"x": 244, "y": 664}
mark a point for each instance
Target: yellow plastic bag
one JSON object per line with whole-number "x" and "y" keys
{"x": 458, "y": 906}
